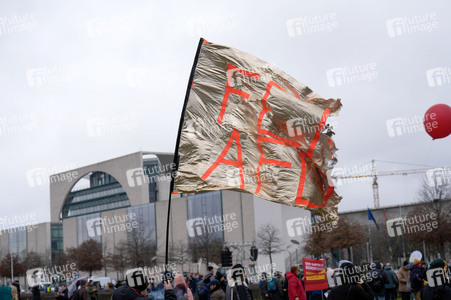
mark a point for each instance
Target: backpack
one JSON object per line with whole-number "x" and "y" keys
{"x": 377, "y": 282}
{"x": 271, "y": 284}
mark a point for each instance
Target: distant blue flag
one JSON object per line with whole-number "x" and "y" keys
{"x": 371, "y": 217}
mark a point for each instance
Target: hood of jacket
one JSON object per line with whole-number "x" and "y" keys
{"x": 125, "y": 292}
{"x": 291, "y": 275}
{"x": 179, "y": 279}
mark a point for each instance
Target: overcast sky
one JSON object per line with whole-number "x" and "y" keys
{"x": 68, "y": 66}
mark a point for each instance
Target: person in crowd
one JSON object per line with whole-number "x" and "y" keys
{"x": 180, "y": 289}
{"x": 222, "y": 280}
{"x": 285, "y": 287}
{"x": 295, "y": 287}
{"x": 271, "y": 287}
{"x": 5, "y": 293}
{"x": 156, "y": 292}
{"x": 403, "y": 278}
{"x": 192, "y": 284}
{"x": 352, "y": 287}
{"x": 377, "y": 279}
{"x": 237, "y": 288}
{"x": 210, "y": 275}
{"x": 416, "y": 279}
{"x": 82, "y": 291}
{"x": 424, "y": 268}
{"x": 204, "y": 292}
{"x": 439, "y": 289}
{"x": 216, "y": 292}
{"x": 125, "y": 292}
{"x": 263, "y": 285}
{"x": 200, "y": 282}
{"x": 17, "y": 285}
{"x": 92, "y": 291}
{"x": 36, "y": 292}
{"x": 14, "y": 295}
{"x": 63, "y": 293}
{"x": 390, "y": 287}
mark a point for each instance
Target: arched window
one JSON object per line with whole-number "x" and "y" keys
{"x": 94, "y": 192}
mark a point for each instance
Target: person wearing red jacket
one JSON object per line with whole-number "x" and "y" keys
{"x": 295, "y": 288}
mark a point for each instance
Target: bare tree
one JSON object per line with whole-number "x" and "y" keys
{"x": 432, "y": 217}
{"x": 324, "y": 237}
{"x": 206, "y": 246}
{"x": 269, "y": 241}
{"x": 141, "y": 249}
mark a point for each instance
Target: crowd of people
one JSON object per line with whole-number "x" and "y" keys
{"x": 366, "y": 281}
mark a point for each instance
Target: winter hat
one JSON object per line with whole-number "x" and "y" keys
{"x": 405, "y": 263}
{"x": 341, "y": 262}
{"x": 416, "y": 262}
{"x": 438, "y": 263}
{"x": 215, "y": 282}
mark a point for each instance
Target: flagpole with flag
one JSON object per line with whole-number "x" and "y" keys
{"x": 248, "y": 126}
{"x": 176, "y": 157}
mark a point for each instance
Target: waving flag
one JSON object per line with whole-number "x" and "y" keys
{"x": 248, "y": 126}
{"x": 371, "y": 218}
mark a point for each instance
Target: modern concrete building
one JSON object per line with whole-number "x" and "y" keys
{"x": 107, "y": 195}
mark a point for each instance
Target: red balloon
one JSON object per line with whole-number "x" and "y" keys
{"x": 437, "y": 121}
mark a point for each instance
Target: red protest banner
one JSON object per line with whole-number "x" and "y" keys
{"x": 315, "y": 274}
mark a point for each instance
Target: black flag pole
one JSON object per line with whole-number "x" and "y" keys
{"x": 174, "y": 166}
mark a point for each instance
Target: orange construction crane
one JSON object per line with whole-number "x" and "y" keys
{"x": 374, "y": 174}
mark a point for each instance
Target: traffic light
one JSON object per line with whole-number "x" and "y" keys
{"x": 226, "y": 258}
{"x": 254, "y": 253}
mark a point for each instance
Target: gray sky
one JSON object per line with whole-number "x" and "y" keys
{"x": 68, "y": 66}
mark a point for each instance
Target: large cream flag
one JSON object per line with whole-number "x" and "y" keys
{"x": 248, "y": 126}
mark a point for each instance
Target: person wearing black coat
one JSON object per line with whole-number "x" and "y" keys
{"x": 17, "y": 285}
{"x": 353, "y": 288}
{"x": 36, "y": 293}
{"x": 438, "y": 292}
{"x": 64, "y": 294}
